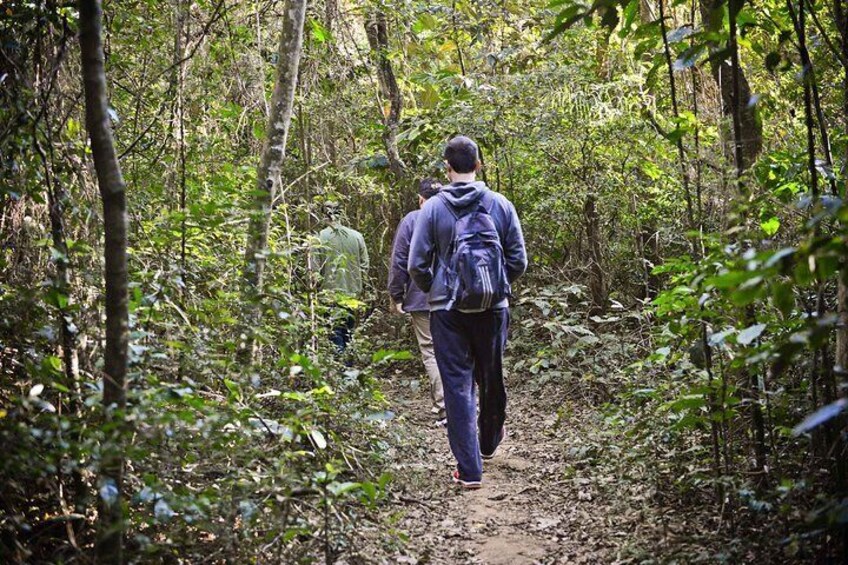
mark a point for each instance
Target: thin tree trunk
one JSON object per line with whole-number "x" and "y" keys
{"x": 799, "y": 22}
{"x": 714, "y": 410}
{"x": 456, "y": 39}
{"x": 734, "y": 87}
{"x": 736, "y": 84}
{"x": 597, "y": 283}
{"x": 331, "y": 12}
{"x": 699, "y": 197}
{"x": 180, "y": 33}
{"x": 639, "y": 244}
{"x": 179, "y": 69}
{"x": 646, "y": 13}
{"x": 842, "y": 331}
{"x": 112, "y": 192}
{"x": 681, "y": 155}
{"x": 809, "y": 75}
{"x": 271, "y": 164}
{"x": 56, "y": 198}
{"x": 757, "y": 420}
{"x": 376, "y": 29}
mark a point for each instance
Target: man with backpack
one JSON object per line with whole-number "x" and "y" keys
{"x": 407, "y": 298}
{"x": 466, "y": 249}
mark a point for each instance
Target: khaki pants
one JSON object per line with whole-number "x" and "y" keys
{"x": 421, "y": 323}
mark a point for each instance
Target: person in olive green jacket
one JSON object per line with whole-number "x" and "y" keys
{"x": 343, "y": 264}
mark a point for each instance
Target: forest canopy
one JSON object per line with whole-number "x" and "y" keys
{"x": 169, "y": 390}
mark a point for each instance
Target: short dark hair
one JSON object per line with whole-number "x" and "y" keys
{"x": 332, "y": 210}
{"x": 428, "y": 188}
{"x": 462, "y": 154}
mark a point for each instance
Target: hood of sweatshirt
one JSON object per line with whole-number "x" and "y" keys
{"x": 464, "y": 194}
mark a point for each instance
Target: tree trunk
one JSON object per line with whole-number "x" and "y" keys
{"x": 378, "y": 38}
{"x": 842, "y": 332}
{"x": 739, "y": 153}
{"x": 732, "y": 83}
{"x": 681, "y": 154}
{"x": 112, "y": 192}
{"x": 331, "y": 12}
{"x": 56, "y": 199}
{"x": 180, "y": 17}
{"x": 646, "y": 13}
{"x": 597, "y": 284}
{"x": 271, "y": 164}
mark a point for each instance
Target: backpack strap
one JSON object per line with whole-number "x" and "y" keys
{"x": 456, "y": 217}
{"x": 447, "y": 205}
{"x": 487, "y": 193}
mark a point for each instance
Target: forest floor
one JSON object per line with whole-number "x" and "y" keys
{"x": 528, "y": 510}
{"x": 573, "y": 483}
{"x": 559, "y": 489}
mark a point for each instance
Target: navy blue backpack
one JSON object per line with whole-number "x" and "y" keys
{"x": 476, "y": 270}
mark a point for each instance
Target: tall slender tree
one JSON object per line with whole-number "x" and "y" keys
{"x": 377, "y": 31}
{"x": 271, "y": 163}
{"x": 841, "y": 16}
{"x": 734, "y": 87}
{"x": 113, "y": 195}
{"x": 681, "y": 154}
{"x": 740, "y": 154}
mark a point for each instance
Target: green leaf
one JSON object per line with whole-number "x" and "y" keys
{"x": 630, "y": 13}
{"x": 426, "y": 22}
{"x": 370, "y": 490}
{"x": 770, "y": 226}
{"x": 686, "y": 402}
{"x": 52, "y": 364}
{"x": 783, "y": 297}
{"x": 430, "y": 97}
{"x": 56, "y": 298}
{"x": 60, "y": 387}
{"x": 319, "y": 33}
{"x": 339, "y": 489}
{"x": 385, "y": 355}
{"x": 233, "y": 387}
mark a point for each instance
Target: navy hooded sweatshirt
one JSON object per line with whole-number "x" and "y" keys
{"x": 401, "y": 288}
{"x": 433, "y": 236}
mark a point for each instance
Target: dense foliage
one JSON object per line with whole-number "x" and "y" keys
{"x": 679, "y": 169}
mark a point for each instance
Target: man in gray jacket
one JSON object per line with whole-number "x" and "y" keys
{"x": 466, "y": 249}
{"x": 408, "y": 298}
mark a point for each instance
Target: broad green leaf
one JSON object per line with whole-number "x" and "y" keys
{"x": 770, "y": 226}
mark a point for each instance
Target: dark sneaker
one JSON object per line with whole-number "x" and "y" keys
{"x": 469, "y": 485}
{"x": 488, "y": 456}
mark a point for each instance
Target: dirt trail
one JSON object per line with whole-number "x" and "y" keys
{"x": 533, "y": 507}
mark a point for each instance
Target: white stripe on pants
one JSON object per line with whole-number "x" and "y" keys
{"x": 421, "y": 323}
